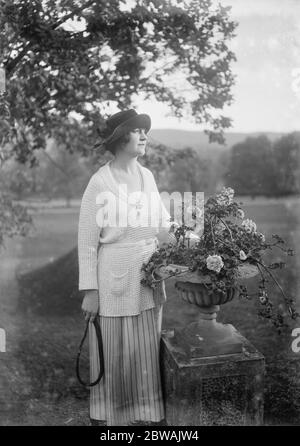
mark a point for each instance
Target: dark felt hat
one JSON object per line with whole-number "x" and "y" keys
{"x": 119, "y": 124}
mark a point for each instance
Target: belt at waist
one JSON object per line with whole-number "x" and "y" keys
{"x": 143, "y": 242}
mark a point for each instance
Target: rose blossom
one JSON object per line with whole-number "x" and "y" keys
{"x": 249, "y": 225}
{"x": 243, "y": 256}
{"x": 214, "y": 263}
{"x": 225, "y": 197}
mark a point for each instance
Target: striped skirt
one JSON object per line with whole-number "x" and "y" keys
{"x": 130, "y": 389}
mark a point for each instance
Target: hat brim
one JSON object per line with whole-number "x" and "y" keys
{"x": 139, "y": 121}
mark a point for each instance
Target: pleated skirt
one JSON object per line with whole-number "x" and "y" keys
{"x": 130, "y": 389}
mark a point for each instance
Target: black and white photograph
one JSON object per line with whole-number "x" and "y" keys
{"x": 149, "y": 215}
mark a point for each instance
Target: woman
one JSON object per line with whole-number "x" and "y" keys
{"x": 111, "y": 254}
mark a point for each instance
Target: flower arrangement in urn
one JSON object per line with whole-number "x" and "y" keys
{"x": 228, "y": 250}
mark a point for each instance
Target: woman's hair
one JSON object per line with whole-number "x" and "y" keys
{"x": 114, "y": 145}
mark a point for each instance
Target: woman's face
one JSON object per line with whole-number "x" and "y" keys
{"x": 137, "y": 143}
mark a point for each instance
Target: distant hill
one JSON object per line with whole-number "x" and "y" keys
{"x": 199, "y": 140}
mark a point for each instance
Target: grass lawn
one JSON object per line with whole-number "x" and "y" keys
{"x": 44, "y": 324}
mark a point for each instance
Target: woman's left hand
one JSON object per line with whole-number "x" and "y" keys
{"x": 90, "y": 305}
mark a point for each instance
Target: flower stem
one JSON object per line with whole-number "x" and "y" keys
{"x": 275, "y": 280}
{"x": 212, "y": 234}
{"x": 230, "y": 233}
{"x": 261, "y": 273}
{"x": 168, "y": 277}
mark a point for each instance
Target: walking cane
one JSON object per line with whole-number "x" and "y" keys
{"x": 100, "y": 349}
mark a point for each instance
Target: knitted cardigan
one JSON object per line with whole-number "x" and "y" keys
{"x": 110, "y": 256}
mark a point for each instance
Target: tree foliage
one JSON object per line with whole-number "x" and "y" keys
{"x": 259, "y": 167}
{"x": 251, "y": 167}
{"x": 14, "y": 219}
{"x": 286, "y": 154}
{"x": 190, "y": 172}
{"x": 176, "y": 52}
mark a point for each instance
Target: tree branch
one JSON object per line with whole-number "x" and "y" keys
{"x": 76, "y": 11}
{"x": 10, "y": 66}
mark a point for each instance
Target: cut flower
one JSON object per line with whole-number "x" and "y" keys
{"x": 225, "y": 197}
{"x": 242, "y": 255}
{"x": 249, "y": 225}
{"x": 214, "y": 263}
{"x": 227, "y": 249}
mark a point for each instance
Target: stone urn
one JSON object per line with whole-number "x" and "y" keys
{"x": 206, "y": 336}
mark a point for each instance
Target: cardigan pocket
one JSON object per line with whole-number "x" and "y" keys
{"x": 119, "y": 277}
{"x": 119, "y": 281}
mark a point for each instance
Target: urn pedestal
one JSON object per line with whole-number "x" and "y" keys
{"x": 224, "y": 390}
{"x": 211, "y": 374}
{"x": 206, "y": 336}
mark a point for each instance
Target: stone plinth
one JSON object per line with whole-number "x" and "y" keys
{"x": 225, "y": 389}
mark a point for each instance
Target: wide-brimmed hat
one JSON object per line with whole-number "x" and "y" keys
{"x": 119, "y": 124}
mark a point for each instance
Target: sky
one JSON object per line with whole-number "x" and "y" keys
{"x": 267, "y": 89}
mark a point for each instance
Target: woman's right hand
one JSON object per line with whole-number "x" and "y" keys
{"x": 90, "y": 305}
